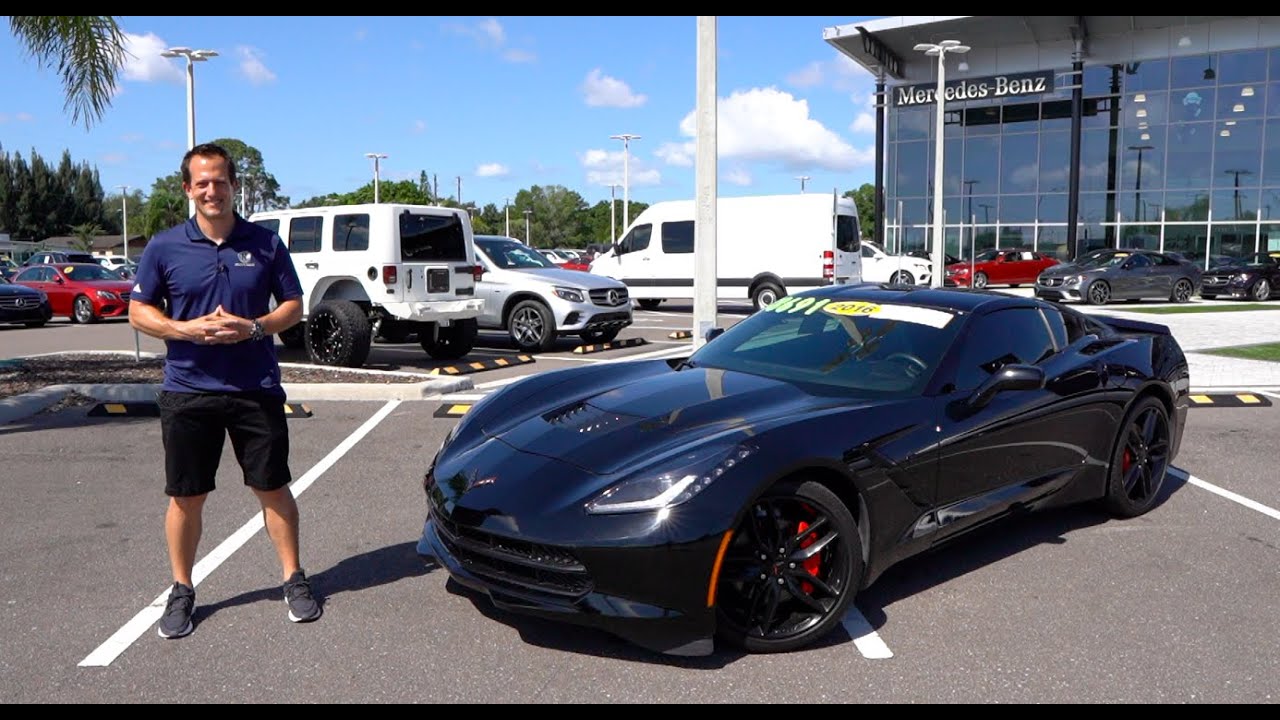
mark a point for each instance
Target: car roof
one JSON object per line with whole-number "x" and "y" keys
{"x": 959, "y": 299}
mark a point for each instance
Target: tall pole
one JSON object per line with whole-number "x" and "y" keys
{"x": 803, "y": 179}
{"x": 940, "y": 98}
{"x": 613, "y": 212}
{"x": 626, "y": 139}
{"x": 124, "y": 215}
{"x": 193, "y": 57}
{"x": 528, "y": 240}
{"x": 459, "y": 190}
{"x": 377, "y": 173}
{"x": 506, "y": 210}
{"x": 706, "y": 281}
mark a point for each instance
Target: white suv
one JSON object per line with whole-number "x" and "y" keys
{"x": 880, "y": 267}
{"x": 526, "y": 295}
{"x": 380, "y": 268}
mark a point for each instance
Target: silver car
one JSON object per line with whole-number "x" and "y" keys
{"x": 1105, "y": 275}
{"x": 529, "y": 297}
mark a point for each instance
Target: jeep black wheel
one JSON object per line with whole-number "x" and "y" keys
{"x": 451, "y": 342}
{"x": 338, "y": 333}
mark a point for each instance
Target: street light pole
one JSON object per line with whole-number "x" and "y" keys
{"x": 613, "y": 212}
{"x": 803, "y": 179}
{"x": 506, "y": 211}
{"x": 626, "y": 139}
{"x": 124, "y": 221}
{"x": 377, "y": 172}
{"x": 939, "y": 239}
{"x": 528, "y": 241}
{"x": 193, "y": 57}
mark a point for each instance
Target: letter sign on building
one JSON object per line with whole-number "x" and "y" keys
{"x": 996, "y": 86}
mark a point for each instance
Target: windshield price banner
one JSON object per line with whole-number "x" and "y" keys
{"x": 996, "y": 86}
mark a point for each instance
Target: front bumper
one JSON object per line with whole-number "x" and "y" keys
{"x": 575, "y": 317}
{"x": 1059, "y": 292}
{"x": 26, "y": 314}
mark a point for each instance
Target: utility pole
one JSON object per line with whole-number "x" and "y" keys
{"x": 506, "y": 211}
{"x": 528, "y": 240}
{"x": 459, "y": 190}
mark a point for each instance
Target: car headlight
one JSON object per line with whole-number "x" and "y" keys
{"x": 1240, "y": 277}
{"x": 569, "y": 294}
{"x": 1073, "y": 280}
{"x": 108, "y": 295}
{"x": 668, "y": 486}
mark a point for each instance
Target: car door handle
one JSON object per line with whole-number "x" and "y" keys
{"x": 312, "y": 266}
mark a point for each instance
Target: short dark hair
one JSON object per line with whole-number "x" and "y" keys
{"x": 207, "y": 150}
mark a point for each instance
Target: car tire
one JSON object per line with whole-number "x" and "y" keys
{"x": 532, "y": 326}
{"x": 649, "y": 303}
{"x": 82, "y": 310}
{"x": 451, "y": 342}
{"x": 599, "y": 336}
{"x": 338, "y": 333}
{"x": 766, "y": 294}
{"x": 294, "y": 337}
{"x": 1098, "y": 293}
{"x": 1140, "y": 459}
{"x": 979, "y": 281}
{"x": 773, "y": 528}
{"x": 1261, "y": 290}
{"x": 902, "y": 277}
{"x": 1182, "y": 291}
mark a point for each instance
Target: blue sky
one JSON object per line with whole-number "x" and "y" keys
{"x": 502, "y": 102}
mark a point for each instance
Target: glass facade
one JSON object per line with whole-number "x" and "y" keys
{"x": 1180, "y": 154}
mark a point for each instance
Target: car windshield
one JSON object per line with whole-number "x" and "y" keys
{"x": 1261, "y": 260}
{"x": 1103, "y": 259}
{"x": 89, "y": 272}
{"x": 512, "y": 255}
{"x": 861, "y": 348}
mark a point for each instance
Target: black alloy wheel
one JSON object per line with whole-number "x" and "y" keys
{"x": 338, "y": 333}
{"x": 82, "y": 310}
{"x": 791, "y": 570}
{"x": 1099, "y": 293}
{"x": 1182, "y": 291}
{"x": 1141, "y": 459}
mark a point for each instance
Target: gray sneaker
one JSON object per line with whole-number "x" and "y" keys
{"x": 176, "y": 621}
{"x": 297, "y": 595}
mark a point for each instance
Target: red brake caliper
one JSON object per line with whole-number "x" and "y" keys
{"x": 814, "y": 564}
{"x": 1126, "y": 461}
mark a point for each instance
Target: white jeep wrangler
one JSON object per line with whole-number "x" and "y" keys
{"x": 380, "y": 269}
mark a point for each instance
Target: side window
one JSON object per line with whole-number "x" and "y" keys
{"x": 351, "y": 232}
{"x": 1016, "y": 335}
{"x": 847, "y": 236}
{"x": 1057, "y": 326}
{"x": 677, "y": 237}
{"x": 636, "y": 240}
{"x": 272, "y": 224}
{"x": 1139, "y": 261}
{"x": 304, "y": 234}
{"x": 867, "y": 252}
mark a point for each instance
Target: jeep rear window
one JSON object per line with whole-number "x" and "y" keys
{"x": 350, "y": 232}
{"x": 425, "y": 238}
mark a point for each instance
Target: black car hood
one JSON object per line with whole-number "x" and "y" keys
{"x": 7, "y": 290}
{"x": 642, "y": 417}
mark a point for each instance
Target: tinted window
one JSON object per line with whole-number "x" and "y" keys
{"x": 677, "y": 237}
{"x": 637, "y": 239}
{"x": 1017, "y": 335}
{"x": 847, "y": 236}
{"x": 432, "y": 237}
{"x": 1140, "y": 261}
{"x": 304, "y": 234}
{"x": 31, "y": 275}
{"x": 273, "y": 224}
{"x": 351, "y": 232}
{"x": 1057, "y": 326}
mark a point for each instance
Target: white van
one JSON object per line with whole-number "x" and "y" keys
{"x": 380, "y": 269}
{"x": 767, "y": 246}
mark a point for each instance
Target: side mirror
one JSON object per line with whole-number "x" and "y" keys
{"x": 713, "y": 333}
{"x": 58, "y": 279}
{"x": 1009, "y": 377}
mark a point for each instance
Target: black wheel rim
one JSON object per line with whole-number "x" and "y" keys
{"x": 785, "y": 570}
{"x": 1145, "y": 457}
{"x": 1099, "y": 293}
{"x": 325, "y": 337}
{"x": 1182, "y": 291}
{"x": 528, "y": 326}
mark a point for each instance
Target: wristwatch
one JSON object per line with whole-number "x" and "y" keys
{"x": 257, "y": 332}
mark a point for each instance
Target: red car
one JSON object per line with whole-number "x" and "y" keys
{"x": 84, "y": 292}
{"x": 999, "y": 267}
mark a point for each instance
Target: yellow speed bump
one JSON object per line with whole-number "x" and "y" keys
{"x": 479, "y": 365}
{"x": 452, "y": 410}
{"x": 681, "y": 334}
{"x": 1230, "y": 400}
{"x": 616, "y": 344}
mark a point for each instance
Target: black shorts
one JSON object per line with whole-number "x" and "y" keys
{"x": 194, "y": 425}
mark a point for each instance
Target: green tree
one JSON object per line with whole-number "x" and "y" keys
{"x": 114, "y": 210}
{"x": 164, "y": 210}
{"x": 88, "y": 52}
{"x": 865, "y": 200}
{"x": 84, "y": 234}
{"x": 260, "y": 189}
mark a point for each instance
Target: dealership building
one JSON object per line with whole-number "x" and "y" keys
{"x": 1069, "y": 133}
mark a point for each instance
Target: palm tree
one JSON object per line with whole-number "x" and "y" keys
{"x": 164, "y": 210}
{"x": 84, "y": 234}
{"x": 88, "y": 51}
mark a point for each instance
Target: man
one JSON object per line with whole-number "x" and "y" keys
{"x": 217, "y": 273}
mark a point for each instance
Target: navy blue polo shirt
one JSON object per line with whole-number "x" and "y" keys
{"x": 196, "y": 276}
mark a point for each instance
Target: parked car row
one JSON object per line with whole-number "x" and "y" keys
{"x": 85, "y": 292}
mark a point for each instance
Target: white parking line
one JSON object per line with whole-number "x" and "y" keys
{"x": 1233, "y": 497}
{"x": 865, "y": 638}
{"x": 142, "y": 622}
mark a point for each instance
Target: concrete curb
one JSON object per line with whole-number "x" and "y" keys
{"x": 19, "y": 407}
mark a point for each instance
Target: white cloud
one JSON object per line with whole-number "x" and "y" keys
{"x": 492, "y": 170}
{"x": 490, "y": 35}
{"x": 252, "y": 67}
{"x": 600, "y": 90}
{"x": 737, "y": 176}
{"x": 24, "y": 117}
{"x": 518, "y": 56}
{"x": 605, "y": 167}
{"x": 114, "y": 158}
{"x": 143, "y": 63}
{"x": 840, "y": 72}
{"x": 808, "y": 76}
{"x": 865, "y": 122}
{"x": 677, "y": 154}
{"x": 492, "y": 29}
{"x": 768, "y": 126}
{"x": 419, "y": 127}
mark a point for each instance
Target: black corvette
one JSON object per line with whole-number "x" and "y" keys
{"x": 748, "y": 492}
